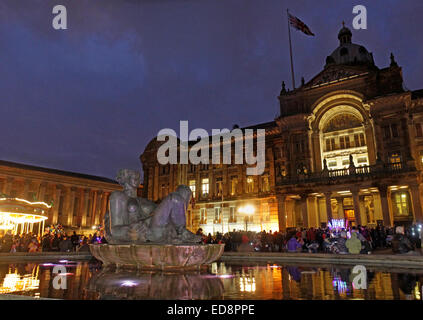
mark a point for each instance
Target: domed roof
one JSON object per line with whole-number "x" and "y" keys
{"x": 348, "y": 52}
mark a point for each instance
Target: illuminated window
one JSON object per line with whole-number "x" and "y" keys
{"x": 234, "y": 185}
{"x": 395, "y": 158}
{"x": 232, "y": 217}
{"x": 250, "y": 185}
{"x": 217, "y": 215}
{"x": 401, "y": 207}
{"x": 203, "y": 216}
{"x": 219, "y": 186}
{"x": 192, "y": 187}
{"x": 265, "y": 186}
{"x": 266, "y": 212}
{"x": 205, "y": 187}
{"x": 362, "y": 141}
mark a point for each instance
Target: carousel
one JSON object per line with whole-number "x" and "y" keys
{"x": 22, "y": 216}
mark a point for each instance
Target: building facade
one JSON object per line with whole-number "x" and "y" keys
{"x": 348, "y": 144}
{"x": 79, "y": 201}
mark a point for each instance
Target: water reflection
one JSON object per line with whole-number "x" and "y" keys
{"x": 222, "y": 281}
{"x": 127, "y": 284}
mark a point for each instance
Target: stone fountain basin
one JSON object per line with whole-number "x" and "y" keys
{"x": 157, "y": 256}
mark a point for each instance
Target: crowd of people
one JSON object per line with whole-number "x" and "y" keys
{"x": 50, "y": 241}
{"x": 354, "y": 240}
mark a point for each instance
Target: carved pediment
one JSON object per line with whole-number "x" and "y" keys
{"x": 334, "y": 74}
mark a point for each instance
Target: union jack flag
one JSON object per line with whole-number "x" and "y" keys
{"x": 299, "y": 25}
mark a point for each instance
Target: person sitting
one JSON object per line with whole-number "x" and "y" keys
{"x": 353, "y": 244}
{"x": 400, "y": 243}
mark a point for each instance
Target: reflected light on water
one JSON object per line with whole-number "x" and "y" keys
{"x": 13, "y": 282}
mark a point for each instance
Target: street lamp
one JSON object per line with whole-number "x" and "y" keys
{"x": 248, "y": 210}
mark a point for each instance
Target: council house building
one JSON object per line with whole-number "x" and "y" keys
{"x": 348, "y": 144}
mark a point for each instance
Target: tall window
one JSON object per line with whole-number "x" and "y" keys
{"x": 342, "y": 142}
{"x": 217, "y": 215}
{"x": 265, "y": 212}
{"x": 205, "y": 187}
{"x": 394, "y": 129}
{"x": 203, "y": 216}
{"x": 419, "y": 132}
{"x": 232, "y": 217}
{"x": 265, "y": 185}
{"x": 250, "y": 185}
{"x": 234, "y": 185}
{"x": 362, "y": 141}
{"x": 192, "y": 187}
{"x": 401, "y": 207}
{"x": 347, "y": 142}
{"x": 219, "y": 186}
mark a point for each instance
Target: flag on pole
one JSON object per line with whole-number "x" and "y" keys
{"x": 299, "y": 25}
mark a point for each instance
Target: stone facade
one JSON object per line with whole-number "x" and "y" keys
{"x": 348, "y": 144}
{"x": 79, "y": 201}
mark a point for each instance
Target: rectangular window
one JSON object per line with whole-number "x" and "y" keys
{"x": 419, "y": 132}
{"x": 386, "y": 132}
{"x": 203, "y": 216}
{"x": 265, "y": 186}
{"x": 362, "y": 160}
{"x": 342, "y": 142}
{"x": 192, "y": 187}
{"x": 328, "y": 145}
{"x": 232, "y": 217}
{"x": 332, "y": 164}
{"x": 250, "y": 185}
{"x": 394, "y": 129}
{"x": 219, "y": 186}
{"x": 362, "y": 141}
{"x": 217, "y": 215}
{"x": 347, "y": 142}
{"x": 346, "y": 162}
{"x": 234, "y": 185}
{"x": 205, "y": 187}
{"x": 401, "y": 204}
{"x": 356, "y": 141}
{"x": 266, "y": 212}
{"x": 333, "y": 145}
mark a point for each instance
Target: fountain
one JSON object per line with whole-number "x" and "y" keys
{"x": 146, "y": 235}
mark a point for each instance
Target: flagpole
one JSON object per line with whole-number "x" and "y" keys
{"x": 290, "y": 49}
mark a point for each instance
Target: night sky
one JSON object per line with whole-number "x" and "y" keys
{"x": 89, "y": 99}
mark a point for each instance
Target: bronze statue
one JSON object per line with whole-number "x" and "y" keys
{"x": 132, "y": 219}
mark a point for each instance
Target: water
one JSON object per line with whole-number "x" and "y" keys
{"x": 227, "y": 281}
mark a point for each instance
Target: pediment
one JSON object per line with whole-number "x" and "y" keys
{"x": 335, "y": 74}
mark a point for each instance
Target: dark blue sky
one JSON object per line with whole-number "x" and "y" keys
{"x": 89, "y": 99}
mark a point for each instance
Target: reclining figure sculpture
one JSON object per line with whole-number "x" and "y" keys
{"x": 133, "y": 219}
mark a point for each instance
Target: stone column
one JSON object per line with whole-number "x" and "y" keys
{"x": 384, "y": 194}
{"x": 94, "y": 207}
{"x": 370, "y": 142}
{"x": 356, "y": 202}
{"x": 415, "y": 198}
{"x": 364, "y": 220}
{"x": 7, "y": 187}
{"x": 71, "y": 206}
{"x": 99, "y": 211}
{"x": 27, "y": 184}
{"x": 340, "y": 201}
{"x": 42, "y": 191}
{"x": 315, "y": 138}
{"x": 84, "y": 207}
{"x": 281, "y": 212}
{"x": 304, "y": 210}
{"x": 328, "y": 206}
{"x": 56, "y": 201}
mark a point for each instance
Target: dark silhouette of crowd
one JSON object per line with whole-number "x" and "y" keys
{"x": 354, "y": 240}
{"x": 49, "y": 242}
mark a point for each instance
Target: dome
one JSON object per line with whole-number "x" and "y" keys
{"x": 348, "y": 52}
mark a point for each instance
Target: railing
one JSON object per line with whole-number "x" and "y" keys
{"x": 326, "y": 176}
